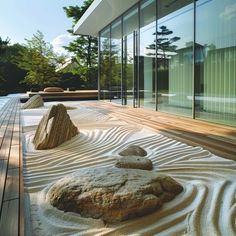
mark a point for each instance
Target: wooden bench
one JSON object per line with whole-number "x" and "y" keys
{"x": 11, "y": 172}
{"x": 67, "y": 95}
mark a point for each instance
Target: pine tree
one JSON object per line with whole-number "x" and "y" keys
{"x": 84, "y": 47}
{"x": 40, "y": 62}
{"x": 164, "y": 43}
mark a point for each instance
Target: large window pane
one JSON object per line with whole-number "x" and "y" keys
{"x": 130, "y": 26}
{"x": 216, "y": 61}
{"x": 147, "y": 54}
{"x": 116, "y": 60}
{"x": 105, "y": 64}
{"x": 175, "y": 56}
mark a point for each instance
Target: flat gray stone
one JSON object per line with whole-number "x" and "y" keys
{"x": 134, "y": 162}
{"x": 112, "y": 194}
{"x": 54, "y": 128}
{"x": 34, "y": 102}
{"x": 133, "y": 150}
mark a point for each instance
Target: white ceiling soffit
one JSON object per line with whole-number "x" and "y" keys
{"x": 101, "y": 13}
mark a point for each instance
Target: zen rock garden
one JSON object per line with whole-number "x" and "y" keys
{"x": 111, "y": 194}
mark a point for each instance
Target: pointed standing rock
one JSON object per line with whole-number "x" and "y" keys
{"x": 54, "y": 129}
{"x": 33, "y": 102}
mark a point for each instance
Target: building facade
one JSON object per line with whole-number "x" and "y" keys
{"x": 173, "y": 56}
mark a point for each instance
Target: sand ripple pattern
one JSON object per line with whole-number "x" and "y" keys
{"x": 207, "y": 206}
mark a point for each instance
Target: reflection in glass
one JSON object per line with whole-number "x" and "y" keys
{"x": 147, "y": 58}
{"x": 147, "y": 54}
{"x": 175, "y": 56}
{"x": 215, "y": 66}
{"x": 116, "y": 60}
{"x": 105, "y": 64}
{"x": 130, "y": 26}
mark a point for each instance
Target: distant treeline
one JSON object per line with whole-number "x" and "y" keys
{"x": 34, "y": 65}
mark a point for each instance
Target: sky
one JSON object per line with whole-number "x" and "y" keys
{"x": 20, "y": 19}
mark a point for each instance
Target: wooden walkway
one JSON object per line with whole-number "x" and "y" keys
{"x": 218, "y": 139}
{"x": 11, "y": 173}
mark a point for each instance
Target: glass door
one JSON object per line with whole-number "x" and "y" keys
{"x": 130, "y": 35}
{"x": 147, "y": 54}
{"x": 130, "y": 69}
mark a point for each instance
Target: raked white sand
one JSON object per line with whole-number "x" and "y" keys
{"x": 207, "y": 206}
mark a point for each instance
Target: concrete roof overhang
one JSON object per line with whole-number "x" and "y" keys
{"x": 101, "y": 13}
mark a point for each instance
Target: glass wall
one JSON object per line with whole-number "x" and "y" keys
{"x": 105, "y": 72}
{"x": 116, "y": 60}
{"x": 175, "y": 56}
{"x": 130, "y": 27}
{"x": 147, "y": 55}
{"x": 216, "y": 61}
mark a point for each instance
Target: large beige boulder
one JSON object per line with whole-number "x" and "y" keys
{"x": 134, "y": 162}
{"x": 112, "y": 194}
{"x": 53, "y": 89}
{"x": 133, "y": 150}
{"x": 54, "y": 128}
{"x": 34, "y": 102}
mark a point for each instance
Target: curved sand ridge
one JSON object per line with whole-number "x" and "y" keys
{"x": 205, "y": 207}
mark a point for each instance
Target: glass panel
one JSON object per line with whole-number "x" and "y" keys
{"x": 216, "y": 61}
{"x": 147, "y": 54}
{"x": 175, "y": 56}
{"x": 130, "y": 25}
{"x": 105, "y": 64}
{"x": 116, "y": 60}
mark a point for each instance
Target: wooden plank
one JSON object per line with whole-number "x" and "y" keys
{"x": 12, "y": 185}
{"x": 5, "y": 148}
{"x": 9, "y": 221}
{"x": 3, "y": 173}
{"x": 9, "y": 168}
{"x": 21, "y": 212}
{"x": 14, "y": 157}
{"x": 15, "y": 136}
{"x": 16, "y": 130}
{"x": 6, "y": 142}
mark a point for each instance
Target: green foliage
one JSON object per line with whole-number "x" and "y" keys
{"x": 84, "y": 48}
{"x": 76, "y": 12}
{"x": 3, "y": 48}
{"x": 164, "y": 43}
{"x": 10, "y": 74}
{"x": 40, "y": 62}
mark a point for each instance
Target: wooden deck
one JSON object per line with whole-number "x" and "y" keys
{"x": 11, "y": 173}
{"x": 218, "y": 139}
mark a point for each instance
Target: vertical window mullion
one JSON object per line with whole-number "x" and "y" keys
{"x": 138, "y": 55}
{"x": 194, "y": 59}
{"x": 156, "y": 60}
{"x": 110, "y": 65}
{"x": 99, "y": 65}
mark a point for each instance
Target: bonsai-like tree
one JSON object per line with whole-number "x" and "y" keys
{"x": 163, "y": 43}
{"x": 40, "y": 62}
